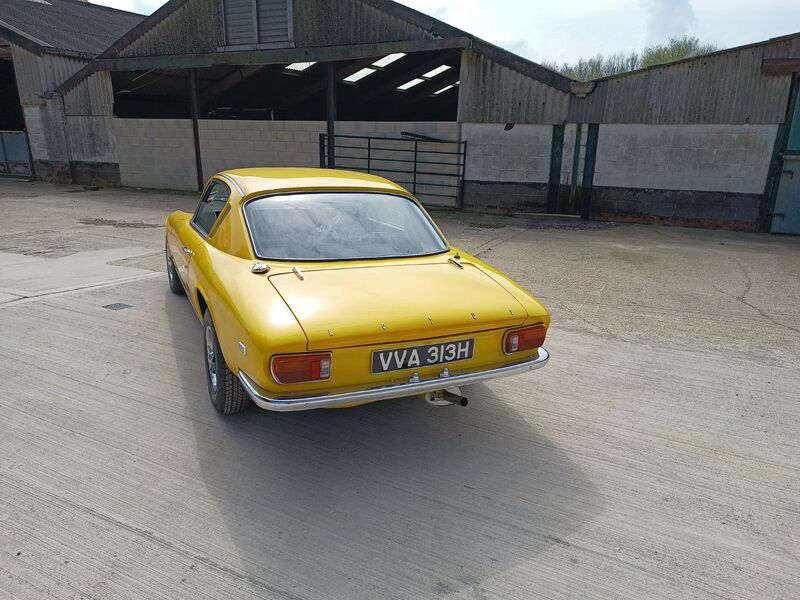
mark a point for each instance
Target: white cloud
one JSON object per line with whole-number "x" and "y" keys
{"x": 667, "y": 18}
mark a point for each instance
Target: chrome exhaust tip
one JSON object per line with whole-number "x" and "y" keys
{"x": 448, "y": 397}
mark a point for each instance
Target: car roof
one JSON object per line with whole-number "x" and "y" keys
{"x": 254, "y": 181}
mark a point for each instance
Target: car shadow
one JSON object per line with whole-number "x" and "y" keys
{"x": 393, "y": 499}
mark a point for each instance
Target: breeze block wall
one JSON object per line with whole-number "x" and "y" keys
{"x": 159, "y": 153}
{"x": 155, "y": 153}
{"x": 683, "y": 174}
{"x": 507, "y": 168}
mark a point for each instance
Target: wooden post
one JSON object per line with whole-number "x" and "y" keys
{"x": 331, "y": 73}
{"x": 193, "y": 103}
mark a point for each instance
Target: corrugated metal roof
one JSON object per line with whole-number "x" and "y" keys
{"x": 65, "y": 26}
{"x": 178, "y": 27}
{"x": 724, "y": 87}
{"x": 494, "y": 93}
{"x": 182, "y": 27}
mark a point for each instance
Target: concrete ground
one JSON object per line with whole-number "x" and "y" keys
{"x": 657, "y": 456}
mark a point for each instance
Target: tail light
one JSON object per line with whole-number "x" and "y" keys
{"x": 297, "y": 368}
{"x": 526, "y": 338}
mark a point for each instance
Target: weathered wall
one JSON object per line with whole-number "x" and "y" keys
{"x": 493, "y": 93}
{"x": 683, "y": 173}
{"x": 233, "y": 144}
{"x": 507, "y": 168}
{"x": 93, "y": 150}
{"x": 722, "y": 88}
{"x": 159, "y": 153}
{"x": 36, "y": 77}
{"x": 88, "y": 109}
{"x": 92, "y": 96}
{"x": 194, "y": 27}
{"x": 724, "y": 158}
{"x": 155, "y": 153}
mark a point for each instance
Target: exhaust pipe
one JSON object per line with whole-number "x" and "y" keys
{"x": 448, "y": 397}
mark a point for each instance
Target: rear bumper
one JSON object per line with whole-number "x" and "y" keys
{"x": 386, "y": 392}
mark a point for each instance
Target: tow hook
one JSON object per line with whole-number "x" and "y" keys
{"x": 447, "y": 397}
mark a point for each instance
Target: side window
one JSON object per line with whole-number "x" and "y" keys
{"x": 211, "y": 206}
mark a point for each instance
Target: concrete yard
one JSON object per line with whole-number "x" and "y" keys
{"x": 657, "y": 456}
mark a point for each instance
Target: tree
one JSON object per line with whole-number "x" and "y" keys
{"x": 602, "y": 65}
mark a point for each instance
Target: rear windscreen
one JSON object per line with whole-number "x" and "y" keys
{"x": 340, "y": 226}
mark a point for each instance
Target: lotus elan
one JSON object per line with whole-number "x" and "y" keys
{"x": 326, "y": 288}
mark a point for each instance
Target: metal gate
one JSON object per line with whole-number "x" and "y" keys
{"x": 14, "y": 155}
{"x": 431, "y": 169}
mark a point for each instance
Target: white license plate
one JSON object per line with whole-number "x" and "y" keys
{"x": 414, "y": 357}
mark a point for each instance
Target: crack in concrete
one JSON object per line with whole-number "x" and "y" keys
{"x": 608, "y": 332}
{"x": 742, "y": 298}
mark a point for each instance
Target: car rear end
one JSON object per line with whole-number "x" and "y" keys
{"x": 397, "y": 329}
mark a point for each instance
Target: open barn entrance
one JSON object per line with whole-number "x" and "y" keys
{"x": 415, "y": 86}
{"x": 273, "y": 114}
{"x": 14, "y": 156}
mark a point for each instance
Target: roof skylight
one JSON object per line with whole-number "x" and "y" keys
{"x": 300, "y": 66}
{"x": 389, "y": 59}
{"x": 443, "y": 90}
{"x": 359, "y": 75}
{"x": 436, "y": 71}
{"x": 409, "y": 84}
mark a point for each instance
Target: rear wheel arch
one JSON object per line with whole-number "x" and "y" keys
{"x": 202, "y": 303}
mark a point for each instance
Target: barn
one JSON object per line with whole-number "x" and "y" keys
{"x": 203, "y": 85}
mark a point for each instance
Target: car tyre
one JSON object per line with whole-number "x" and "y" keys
{"x": 175, "y": 285}
{"x": 224, "y": 388}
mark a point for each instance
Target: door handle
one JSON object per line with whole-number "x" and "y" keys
{"x": 186, "y": 250}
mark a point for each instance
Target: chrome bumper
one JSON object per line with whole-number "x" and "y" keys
{"x": 387, "y": 392}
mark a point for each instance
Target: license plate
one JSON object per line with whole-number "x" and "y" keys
{"x": 414, "y": 357}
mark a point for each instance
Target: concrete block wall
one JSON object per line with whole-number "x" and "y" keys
{"x": 720, "y": 158}
{"x": 159, "y": 153}
{"x": 507, "y": 168}
{"x": 519, "y": 155}
{"x": 155, "y": 153}
{"x": 236, "y": 144}
{"x": 684, "y": 174}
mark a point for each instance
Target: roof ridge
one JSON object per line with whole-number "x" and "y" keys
{"x": 101, "y": 6}
{"x": 721, "y": 51}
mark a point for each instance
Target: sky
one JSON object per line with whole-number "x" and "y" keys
{"x": 565, "y": 30}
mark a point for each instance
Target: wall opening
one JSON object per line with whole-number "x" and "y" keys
{"x": 422, "y": 86}
{"x": 11, "y": 117}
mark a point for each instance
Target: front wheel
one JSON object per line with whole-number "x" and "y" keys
{"x": 224, "y": 388}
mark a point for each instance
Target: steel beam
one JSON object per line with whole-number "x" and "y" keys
{"x": 277, "y": 56}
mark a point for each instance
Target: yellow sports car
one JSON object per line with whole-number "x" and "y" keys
{"x": 324, "y": 288}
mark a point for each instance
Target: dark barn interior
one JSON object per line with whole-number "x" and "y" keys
{"x": 421, "y": 86}
{"x": 11, "y": 117}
